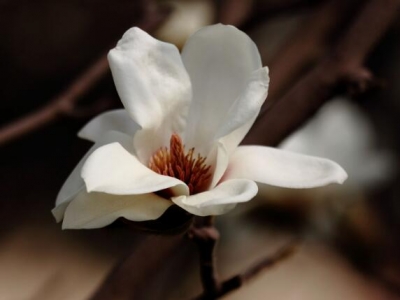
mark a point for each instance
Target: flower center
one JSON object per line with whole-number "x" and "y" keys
{"x": 181, "y": 164}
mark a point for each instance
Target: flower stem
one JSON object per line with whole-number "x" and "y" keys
{"x": 205, "y": 235}
{"x": 235, "y": 282}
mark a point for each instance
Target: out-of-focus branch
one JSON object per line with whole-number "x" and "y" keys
{"x": 65, "y": 103}
{"x": 308, "y": 44}
{"x": 60, "y": 105}
{"x": 128, "y": 279}
{"x": 238, "y": 280}
{"x": 343, "y": 66}
{"x": 249, "y": 12}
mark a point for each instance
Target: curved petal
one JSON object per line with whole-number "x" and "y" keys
{"x": 74, "y": 183}
{"x": 219, "y": 200}
{"x": 244, "y": 111}
{"x": 219, "y": 159}
{"x": 283, "y": 168}
{"x": 117, "y": 120}
{"x": 94, "y": 210}
{"x": 153, "y": 85}
{"x": 219, "y": 59}
{"x": 113, "y": 170}
{"x": 355, "y": 147}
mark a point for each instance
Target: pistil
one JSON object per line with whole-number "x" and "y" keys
{"x": 184, "y": 165}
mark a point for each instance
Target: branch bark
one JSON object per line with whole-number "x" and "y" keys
{"x": 343, "y": 66}
{"x": 239, "y": 280}
{"x": 60, "y": 105}
{"x": 128, "y": 279}
{"x": 65, "y": 103}
{"x": 206, "y": 237}
{"x": 247, "y": 13}
{"x": 307, "y": 45}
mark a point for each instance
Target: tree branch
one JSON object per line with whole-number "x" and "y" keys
{"x": 239, "y": 280}
{"x": 206, "y": 238}
{"x": 247, "y": 13}
{"x": 320, "y": 84}
{"x": 128, "y": 279}
{"x": 60, "y": 105}
{"x": 307, "y": 45}
{"x": 65, "y": 103}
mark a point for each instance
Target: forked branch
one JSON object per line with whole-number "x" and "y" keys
{"x": 206, "y": 238}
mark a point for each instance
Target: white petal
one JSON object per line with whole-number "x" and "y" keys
{"x": 111, "y": 169}
{"x": 116, "y": 120}
{"x": 74, "y": 183}
{"x": 283, "y": 168}
{"x": 244, "y": 111}
{"x": 238, "y": 121}
{"x": 219, "y": 59}
{"x": 94, "y": 210}
{"x": 219, "y": 200}
{"x": 219, "y": 159}
{"x": 342, "y": 132}
{"x": 153, "y": 85}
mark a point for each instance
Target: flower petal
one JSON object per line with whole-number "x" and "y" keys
{"x": 94, "y": 210}
{"x": 244, "y": 111}
{"x": 111, "y": 169}
{"x": 74, "y": 183}
{"x": 117, "y": 120}
{"x": 219, "y": 159}
{"x": 238, "y": 121}
{"x": 153, "y": 85}
{"x": 355, "y": 148}
{"x": 219, "y": 200}
{"x": 219, "y": 59}
{"x": 283, "y": 168}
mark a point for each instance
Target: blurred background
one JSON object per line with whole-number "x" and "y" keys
{"x": 350, "y": 233}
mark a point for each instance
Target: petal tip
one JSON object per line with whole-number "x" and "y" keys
{"x": 57, "y": 215}
{"x": 342, "y": 175}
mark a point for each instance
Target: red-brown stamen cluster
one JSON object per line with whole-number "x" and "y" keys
{"x": 185, "y": 166}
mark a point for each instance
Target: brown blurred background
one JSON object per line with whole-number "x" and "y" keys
{"x": 350, "y": 233}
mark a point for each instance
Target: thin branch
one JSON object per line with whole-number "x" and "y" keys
{"x": 65, "y": 103}
{"x": 265, "y": 263}
{"x": 342, "y": 67}
{"x": 239, "y": 280}
{"x": 206, "y": 238}
{"x": 60, "y": 105}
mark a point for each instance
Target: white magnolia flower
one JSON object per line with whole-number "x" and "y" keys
{"x": 177, "y": 140}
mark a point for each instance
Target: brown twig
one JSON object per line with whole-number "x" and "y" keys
{"x": 344, "y": 65}
{"x": 206, "y": 237}
{"x": 239, "y": 280}
{"x": 60, "y": 105}
{"x": 65, "y": 103}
